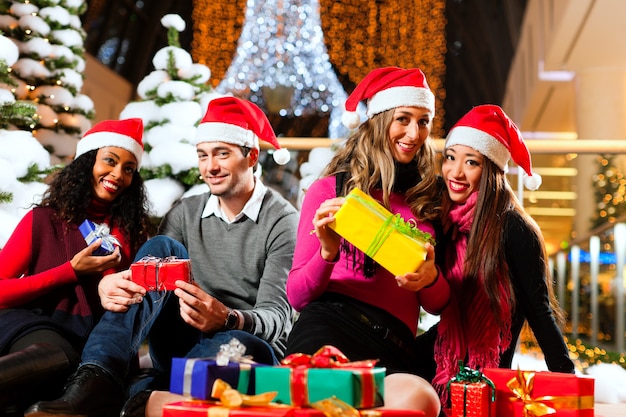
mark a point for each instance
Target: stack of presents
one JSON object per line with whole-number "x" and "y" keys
{"x": 326, "y": 383}
{"x": 302, "y": 386}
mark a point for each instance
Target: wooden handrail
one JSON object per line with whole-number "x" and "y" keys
{"x": 541, "y": 146}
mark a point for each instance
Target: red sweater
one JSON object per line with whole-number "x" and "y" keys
{"x": 17, "y": 261}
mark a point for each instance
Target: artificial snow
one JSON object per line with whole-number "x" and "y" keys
{"x": 30, "y": 68}
{"x": 182, "y": 113}
{"x": 162, "y": 194}
{"x": 151, "y": 82}
{"x": 54, "y": 95}
{"x": 23, "y": 9}
{"x": 168, "y": 133}
{"x": 9, "y": 52}
{"x": 173, "y": 21}
{"x": 182, "y": 58}
{"x": 6, "y": 97}
{"x": 67, "y": 37}
{"x": 69, "y": 77}
{"x": 180, "y": 156}
{"x": 83, "y": 102}
{"x": 200, "y": 71}
{"x": 19, "y": 151}
{"x": 56, "y": 14}
{"x": 37, "y": 46}
{"x": 176, "y": 90}
{"x": 35, "y": 24}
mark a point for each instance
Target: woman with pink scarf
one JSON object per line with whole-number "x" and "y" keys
{"x": 493, "y": 254}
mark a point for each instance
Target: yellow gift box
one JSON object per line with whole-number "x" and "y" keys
{"x": 395, "y": 244}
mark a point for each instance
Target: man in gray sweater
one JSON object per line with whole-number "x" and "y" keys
{"x": 240, "y": 238}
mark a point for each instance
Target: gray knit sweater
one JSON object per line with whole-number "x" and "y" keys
{"x": 243, "y": 264}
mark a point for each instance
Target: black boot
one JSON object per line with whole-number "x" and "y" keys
{"x": 136, "y": 405}
{"x": 30, "y": 370}
{"x": 91, "y": 391}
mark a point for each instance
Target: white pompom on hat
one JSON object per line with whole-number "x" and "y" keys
{"x": 239, "y": 122}
{"x": 487, "y": 129}
{"x": 387, "y": 88}
{"x": 126, "y": 134}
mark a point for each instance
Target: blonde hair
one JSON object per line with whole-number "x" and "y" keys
{"x": 367, "y": 161}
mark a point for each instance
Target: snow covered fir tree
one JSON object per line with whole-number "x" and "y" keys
{"x": 22, "y": 157}
{"x": 50, "y": 68}
{"x": 173, "y": 98}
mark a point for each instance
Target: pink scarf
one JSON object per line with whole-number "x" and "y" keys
{"x": 467, "y": 328}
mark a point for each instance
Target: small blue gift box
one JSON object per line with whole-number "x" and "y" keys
{"x": 92, "y": 231}
{"x": 194, "y": 377}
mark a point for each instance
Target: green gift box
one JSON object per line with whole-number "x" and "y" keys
{"x": 301, "y": 386}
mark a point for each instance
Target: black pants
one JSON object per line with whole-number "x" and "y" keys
{"x": 359, "y": 330}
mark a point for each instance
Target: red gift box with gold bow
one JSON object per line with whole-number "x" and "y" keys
{"x": 303, "y": 379}
{"x": 472, "y": 394}
{"x": 159, "y": 274}
{"x": 542, "y": 393}
{"x": 197, "y": 408}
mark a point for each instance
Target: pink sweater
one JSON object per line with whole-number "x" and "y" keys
{"x": 311, "y": 275}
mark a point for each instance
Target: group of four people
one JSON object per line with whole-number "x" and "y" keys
{"x": 256, "y": 259}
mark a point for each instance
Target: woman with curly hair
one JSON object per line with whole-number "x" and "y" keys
{"x": 49, "y": 276}
{"x": 343, "y": 297}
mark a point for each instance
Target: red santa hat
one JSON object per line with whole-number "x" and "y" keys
{"x": 240, "y": 122}
{"x": 387, "y": 88}
{"x": 126, "y": 134}
{"x": 491, "y": 132}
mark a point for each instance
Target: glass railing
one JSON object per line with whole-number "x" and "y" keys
{"x": 590, "y": 287}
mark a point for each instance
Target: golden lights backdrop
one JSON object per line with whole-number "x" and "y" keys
{"x": 360, "y": 35}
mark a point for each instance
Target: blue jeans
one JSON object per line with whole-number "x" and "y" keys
{"x": 116, "y": 339}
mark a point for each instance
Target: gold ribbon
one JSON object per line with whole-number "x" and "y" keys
{"x": 231, "y": 398}
{"x": 522, "y": 387}
{"x": 334, "y": 407}
{"x": 218, "y": 411}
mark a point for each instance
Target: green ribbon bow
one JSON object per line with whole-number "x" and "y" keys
{"x": 471, "y": 376}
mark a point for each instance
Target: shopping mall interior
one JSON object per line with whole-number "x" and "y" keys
{"x": 557, "y": 67}
{"x": 554, "y": 66}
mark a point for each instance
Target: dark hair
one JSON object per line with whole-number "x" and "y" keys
{"x": 485, "y": 251}
{"x": 71, "y": 190}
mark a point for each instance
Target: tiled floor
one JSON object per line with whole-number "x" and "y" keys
{"x": 610, "y": 410}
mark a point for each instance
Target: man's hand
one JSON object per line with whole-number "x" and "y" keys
{"x": 117, "y": 292}
{"x": 199, "y": 309}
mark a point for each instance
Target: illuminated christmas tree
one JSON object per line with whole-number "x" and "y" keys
{"x": 282, "y": 64}
{"x": 610, "y": 189}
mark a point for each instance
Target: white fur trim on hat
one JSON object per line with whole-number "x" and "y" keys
{"x": 484, "y": 143}
{"x": 532, "y": 182}
{"x": 351, "y": 119}
{"x": 99, "y": 140}
{"x": 226, "y": 132}
{"x": 281, "y": 156}
{"x": 406, "y": 96}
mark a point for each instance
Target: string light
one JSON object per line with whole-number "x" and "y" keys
{"x": 360, "y": 35}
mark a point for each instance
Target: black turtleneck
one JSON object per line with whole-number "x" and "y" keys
{"x": 407, "y": 176}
